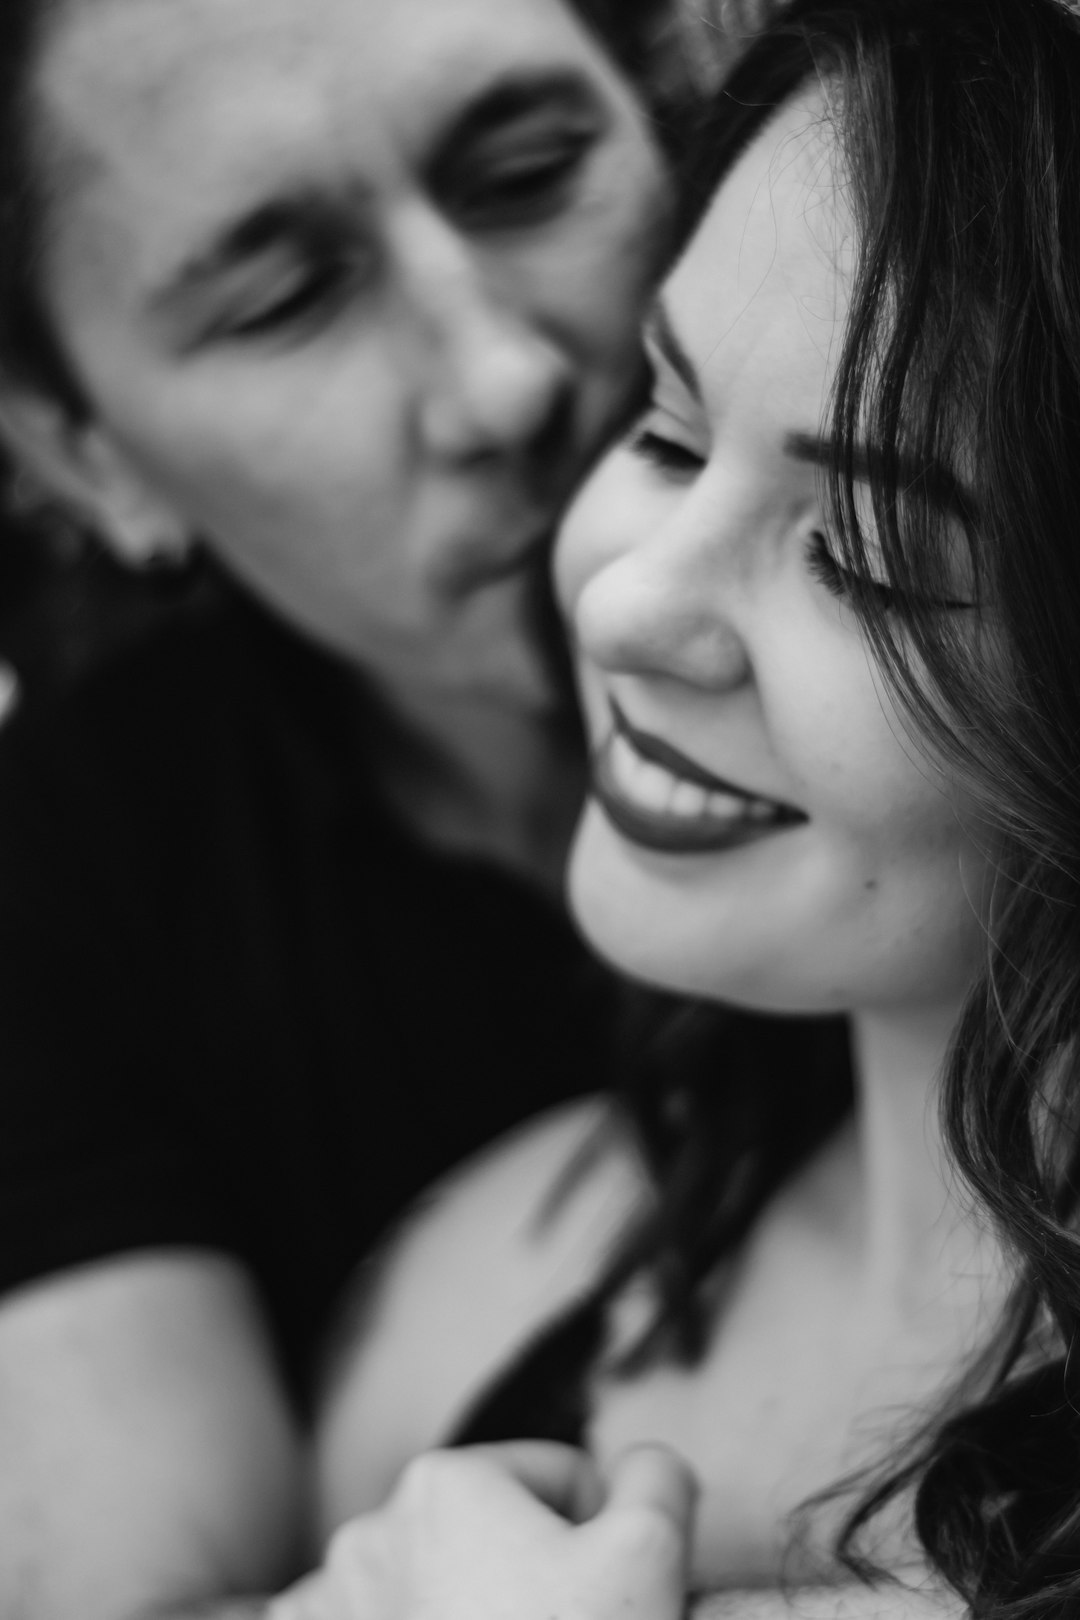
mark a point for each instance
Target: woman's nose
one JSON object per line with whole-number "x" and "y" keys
{"x": 493, "y": 380}
{"x": 661, "y": 611}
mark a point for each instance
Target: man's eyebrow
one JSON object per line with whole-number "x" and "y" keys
{"x": 511, "y": 97}
{"x": 311, "y": 214}
{"x": 303, "y": 216}
{"x": 659, "y": 330}
{"x": 943, "y": 487}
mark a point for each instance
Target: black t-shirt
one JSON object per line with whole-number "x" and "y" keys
{"x": 239, "y": 1008}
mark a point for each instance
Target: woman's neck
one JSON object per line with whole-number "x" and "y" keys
{"x": 918, "y": 1233}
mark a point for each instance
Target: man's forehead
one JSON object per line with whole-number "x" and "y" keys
{"x": 168, "y": 122}
{"x": 161, "y": 52}
{"x": 237, "y": 80}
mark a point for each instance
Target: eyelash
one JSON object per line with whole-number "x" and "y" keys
{"x": 527, "y": 188}
{"x": 305, "y": 301}
{"x": 667, "y": 454}
{"x": 676, "y": 460}
{"x": 842, "y": 582}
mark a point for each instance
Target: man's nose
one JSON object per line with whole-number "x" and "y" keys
{"x": 496, "y": 386}
{"x": 665, "y": 611}
{"x": 493, "y": 380}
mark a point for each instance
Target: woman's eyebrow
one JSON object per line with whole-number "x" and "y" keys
{"x": 659, "y": 331}
{"x": 942, "y": 486}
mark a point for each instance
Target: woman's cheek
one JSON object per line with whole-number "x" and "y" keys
{"x": 593, "y": 700}
{"x": 614, "y": 511}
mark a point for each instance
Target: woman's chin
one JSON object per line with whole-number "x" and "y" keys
{"x": 632, "y": 906}
{"x": 783, "y": 924}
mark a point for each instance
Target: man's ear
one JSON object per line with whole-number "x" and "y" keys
{"x": 80, "y": 465}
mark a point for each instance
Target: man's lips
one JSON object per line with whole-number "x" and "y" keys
{"x": 473, "y": 573}
{"x": 658, "y": 797}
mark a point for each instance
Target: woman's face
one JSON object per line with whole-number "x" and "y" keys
{"x": 763, "y": 828}
{"x": 352, "y": 286}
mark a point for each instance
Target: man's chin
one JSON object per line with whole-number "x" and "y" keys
{"x": 530, "y": 688}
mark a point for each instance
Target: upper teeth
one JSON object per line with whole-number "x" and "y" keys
{"x": 657, "y": 789}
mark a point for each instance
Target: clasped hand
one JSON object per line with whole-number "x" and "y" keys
{"x": 527, "y": 1531}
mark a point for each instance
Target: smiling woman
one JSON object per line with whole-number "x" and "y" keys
{"x": 703, "y": 590}
{"x": 823, "y": 599}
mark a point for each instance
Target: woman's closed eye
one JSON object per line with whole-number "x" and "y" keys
{"x": 847, "y": 585}
{"x": 669, "y": 455}
{"x": 663, "y": 439}
{"x": 841, "y": 582}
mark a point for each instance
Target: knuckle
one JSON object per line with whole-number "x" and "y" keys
{"x": 649, "y": 1539}
{"x": 342, "y": 1539}
{"x": 344, "y": 1544}
{"x": 427, "y": 1476}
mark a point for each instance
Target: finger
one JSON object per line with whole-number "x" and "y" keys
{"x": 656, "y": 1478}
{"x": 312, "y": 1598}
{"x": 563, "y": 1478}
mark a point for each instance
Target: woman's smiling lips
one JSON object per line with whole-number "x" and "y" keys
{"x": 656, "y": 797}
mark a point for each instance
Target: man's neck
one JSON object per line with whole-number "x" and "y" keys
{"x": 482, "y": 778}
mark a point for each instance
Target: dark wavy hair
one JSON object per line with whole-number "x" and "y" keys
{"x": 958, "y": 129}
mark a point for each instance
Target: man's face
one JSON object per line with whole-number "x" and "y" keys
{"x": 354, "y": 287}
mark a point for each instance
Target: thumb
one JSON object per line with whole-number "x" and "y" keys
{"x": 657, "y": 1479}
